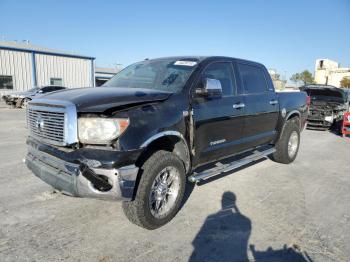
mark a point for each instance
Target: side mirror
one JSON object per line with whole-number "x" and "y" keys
{"x": 211, "y": 88}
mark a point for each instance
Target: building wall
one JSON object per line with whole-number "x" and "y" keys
{"x": 75, "y": 72}
{"x": 19, "y": 66}
{"x": 336, "y": 76}
{"x": 328, "y": 72}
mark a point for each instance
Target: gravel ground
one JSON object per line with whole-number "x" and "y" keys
{"x": 264, "y": 212}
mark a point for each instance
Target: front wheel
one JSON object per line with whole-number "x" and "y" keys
{"x": 287, "y": 146}
{"x": 160, "y": 191}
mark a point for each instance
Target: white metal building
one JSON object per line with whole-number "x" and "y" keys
{"x": 23, "y": 66}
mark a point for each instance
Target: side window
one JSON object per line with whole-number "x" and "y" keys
{"x": 222, "y": 71}
{"x": 55, "y": 88}
{"x": 47, "y": 89}
{"x": 253, "y": 79}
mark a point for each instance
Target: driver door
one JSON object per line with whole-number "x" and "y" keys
{"x": 218, "y": 122}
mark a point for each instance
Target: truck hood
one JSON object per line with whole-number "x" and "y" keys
{"x": 100, "y": 99}
{"x": 328, "y": 93}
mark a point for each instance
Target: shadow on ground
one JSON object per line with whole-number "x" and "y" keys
{"x": 224, "y": 236}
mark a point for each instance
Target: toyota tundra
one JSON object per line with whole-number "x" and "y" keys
{"x": 153, "y": 127}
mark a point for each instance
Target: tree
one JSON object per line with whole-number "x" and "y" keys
{"x": 304, "y": 77}
{"x": 345, "y": 82}
{"x": 295, "y": 78}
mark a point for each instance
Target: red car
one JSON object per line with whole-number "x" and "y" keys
{"x": 346, "y": 124}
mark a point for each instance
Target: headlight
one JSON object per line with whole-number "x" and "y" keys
{"x": 100, "y": 130}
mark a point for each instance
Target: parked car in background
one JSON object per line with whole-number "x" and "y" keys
{"x": 157, "y": 124}
{"x": 327, "y": 106}
{"x": 346, "y": 124}
{"x": 20, "y": 99}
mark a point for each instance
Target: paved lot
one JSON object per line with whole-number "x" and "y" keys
{"x": 268, "y": 208}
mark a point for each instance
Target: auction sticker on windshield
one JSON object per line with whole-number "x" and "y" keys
{"x": 185, "y": 63}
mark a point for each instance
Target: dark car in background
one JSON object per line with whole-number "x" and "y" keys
{"x": 20, "y": 99}
{"x": 327, "y": 106}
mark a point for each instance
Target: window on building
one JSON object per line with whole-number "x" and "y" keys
{"x": 321, "y": 64}
{"x": 56, "y": 81}
{"x": 6, "y": 82}
{"x": 253, "y": 79}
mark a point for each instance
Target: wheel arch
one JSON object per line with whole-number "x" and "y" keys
{"x": 294, "y": 114}
{"x": 172, "y": 141}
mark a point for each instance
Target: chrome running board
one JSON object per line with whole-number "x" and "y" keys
{"x": 223, "y": 168}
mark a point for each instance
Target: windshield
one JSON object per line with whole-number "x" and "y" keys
{"x": 164, "y": 74}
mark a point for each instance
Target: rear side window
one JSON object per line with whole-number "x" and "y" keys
{"x": 55, "y": 88}
{"x": 222, "y": 71}
{"x": 46, "y": 89}
{"x": 253, "y": 79}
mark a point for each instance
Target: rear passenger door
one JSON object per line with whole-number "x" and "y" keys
{"x": 261, "y": 105}
{"x": 217, "y": 123}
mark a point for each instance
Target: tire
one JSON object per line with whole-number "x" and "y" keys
{"x": 287, "y": 146}
{"x": 141, "y": 211}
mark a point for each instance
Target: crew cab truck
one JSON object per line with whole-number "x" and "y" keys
{"x": 151, "y": 128}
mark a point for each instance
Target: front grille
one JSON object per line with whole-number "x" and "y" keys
{"x": 53, "y": 121}
{"x": 47, "y": 126}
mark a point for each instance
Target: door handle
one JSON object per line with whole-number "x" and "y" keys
{"x": 273, "y": 102}
{"x": 238, "y": 105}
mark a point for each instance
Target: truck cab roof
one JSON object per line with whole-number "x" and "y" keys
{"x": 200, "y": 59}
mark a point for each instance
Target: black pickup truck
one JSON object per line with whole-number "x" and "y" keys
{"x": 154, "y": 126}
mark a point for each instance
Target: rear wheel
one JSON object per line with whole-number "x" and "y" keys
{"x": 160, "y": 191}
{"x": 287, "y": 146}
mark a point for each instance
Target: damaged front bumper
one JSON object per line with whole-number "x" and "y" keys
{"x": 80, "y": 179}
